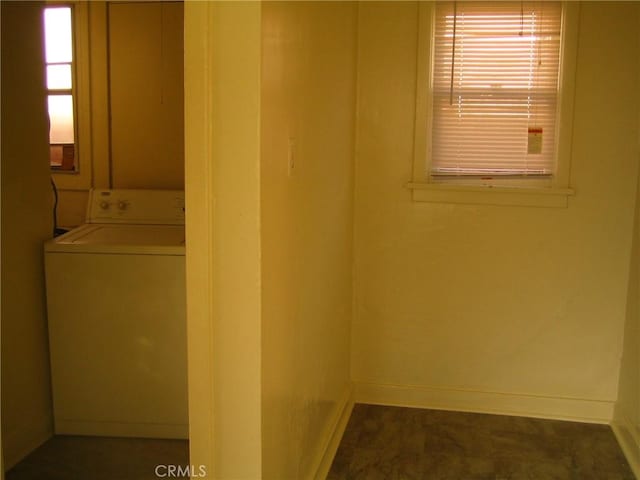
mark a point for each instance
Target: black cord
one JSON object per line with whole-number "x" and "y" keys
{"x": 56, "y": 231}
{"x": 55, "y": 207}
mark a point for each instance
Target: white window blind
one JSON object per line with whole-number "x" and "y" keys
{"x": 495, "y": 88}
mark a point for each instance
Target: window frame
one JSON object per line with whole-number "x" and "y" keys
{"x": 496, "y": 191}
{"x": 79, "y": 178}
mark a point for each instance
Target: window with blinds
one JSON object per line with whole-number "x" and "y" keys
{"x": 494, "y": 89}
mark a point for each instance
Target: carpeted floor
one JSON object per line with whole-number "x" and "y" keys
{"x": 102, "y": 458}
{"x": 408, "y": 443}
{"x": 379, "y": 443}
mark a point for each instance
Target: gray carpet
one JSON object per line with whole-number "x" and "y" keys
{"x": 102, "y": 458}
{"x": 408, "y": 443}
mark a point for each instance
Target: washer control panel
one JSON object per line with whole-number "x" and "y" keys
{"x": 160, "y": 207}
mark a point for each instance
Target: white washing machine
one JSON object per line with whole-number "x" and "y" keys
{"x": 117, "y": 317}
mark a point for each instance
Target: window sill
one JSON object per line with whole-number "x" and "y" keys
{"x": 491, "y": 195}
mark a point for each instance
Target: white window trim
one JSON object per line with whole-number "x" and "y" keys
{"x": 81, "y": 177}
{"x": 499, "y": 192}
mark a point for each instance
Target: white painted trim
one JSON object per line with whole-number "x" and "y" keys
{"x": 500, "y": 403}
{"x": 222, "y": 184}
{"x": 333, "y": 436}
{"x": 629, "y": 439}
{"x": 119, "y": 429}
{"x": 199, "y": 228}
{"x": 423, "y": 113}
{"x": 490, "y": 195}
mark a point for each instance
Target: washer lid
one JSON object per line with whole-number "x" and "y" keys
{"x": 121, "y": 238}
{"x": 129, "y": 235}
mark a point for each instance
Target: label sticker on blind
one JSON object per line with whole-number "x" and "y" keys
{"x": 534, "y": 140}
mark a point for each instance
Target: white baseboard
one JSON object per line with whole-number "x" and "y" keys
{"x": 561, "y": 408}
{"x": 115, "y": 429}
{"x": 17, "y": 445}
{"x": 334, "y": 435}
{"x": 629, "y": 439}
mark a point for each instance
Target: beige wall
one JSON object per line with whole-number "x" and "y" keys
{"x": 26, "y": 224}
{"x": 627, "y": 411}
{"x": 510, "y": 309}
{"x": 137, "y": 118}
{"x": 146, "y": 92}
{"x": 308, "y": 99}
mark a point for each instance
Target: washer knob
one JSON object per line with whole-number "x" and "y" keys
{"x": 122, "y": 205}
{"x": 104, "y": 205}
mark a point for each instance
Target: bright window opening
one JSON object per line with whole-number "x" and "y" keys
{"x": 58, "y": 34}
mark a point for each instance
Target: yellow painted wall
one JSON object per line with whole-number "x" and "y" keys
{"x": 146, "y": 94}
{"x": 26, "y": 224}
{"x": 627, "y": 411}
{"x": 455, "y": 303}
{"x": 308, "y": 99}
